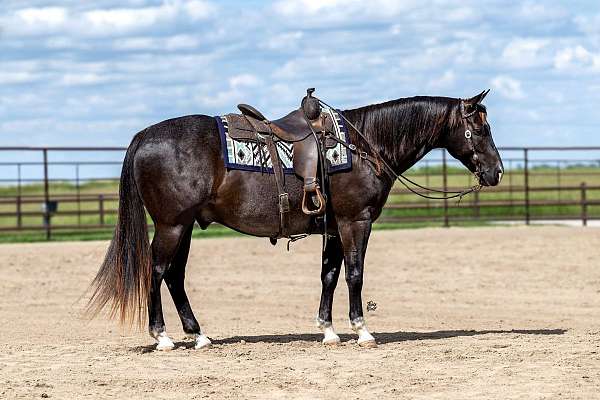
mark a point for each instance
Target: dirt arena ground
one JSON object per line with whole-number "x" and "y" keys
{"x": 499, "y": 313}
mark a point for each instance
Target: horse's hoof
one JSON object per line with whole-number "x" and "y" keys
{"x": 165, "y": 346}
{"x": 331, "y": 341}
{"x": 330, "y": 338}
{"x": 202, "y": 342}
{"x": 368, "y": 344}
{"x": 164, "y": 342}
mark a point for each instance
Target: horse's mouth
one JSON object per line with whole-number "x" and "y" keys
{"x": 480, "y": 180}
{"x": 483, "y": 179}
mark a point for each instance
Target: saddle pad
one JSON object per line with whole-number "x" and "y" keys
{"x": 252, "y": 156}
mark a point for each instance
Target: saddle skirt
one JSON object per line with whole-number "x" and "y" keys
{"x": 242, "y": 151}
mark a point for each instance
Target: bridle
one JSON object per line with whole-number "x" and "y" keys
{"x": 469, "y": 137}
{"x": 447, "y": 194}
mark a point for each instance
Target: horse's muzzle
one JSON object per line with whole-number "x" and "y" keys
{"x": 491, "y": 176}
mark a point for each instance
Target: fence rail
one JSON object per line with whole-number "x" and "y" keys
{"x": 539, "y": 187}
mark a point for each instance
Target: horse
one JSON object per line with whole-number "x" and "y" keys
{"x": 175, "y": 170}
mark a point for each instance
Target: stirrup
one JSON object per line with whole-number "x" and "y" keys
{"x": 320, "y": 198}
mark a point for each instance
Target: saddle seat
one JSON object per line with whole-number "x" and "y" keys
{"x": 291, "y": 128}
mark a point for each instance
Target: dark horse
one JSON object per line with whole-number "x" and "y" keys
{"x": 175, "y": 169}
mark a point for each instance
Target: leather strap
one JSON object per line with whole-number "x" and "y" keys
{"x": 283, "y": 197}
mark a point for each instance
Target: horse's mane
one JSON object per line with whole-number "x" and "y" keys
{"x": 398, "y": 127}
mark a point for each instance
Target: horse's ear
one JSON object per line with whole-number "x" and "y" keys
{"x": 478, "y": 98}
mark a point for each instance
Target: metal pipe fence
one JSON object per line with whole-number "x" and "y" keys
{"x": 76, "y": 188}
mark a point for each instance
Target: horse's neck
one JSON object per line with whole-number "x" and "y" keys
{"x": 409, "y": 157}
{"x": 406, "y": 151}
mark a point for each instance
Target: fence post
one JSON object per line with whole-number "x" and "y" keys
{"x": 47, "y": 222}
{"x": 445, "y": 181}
{"x": 101, "y": 208}
{"x": 19, "y": 206}
{"x": 584, "y": 214}
{"x": 476, "y": 204}
{"x": 526, "y": 183}
{"x": 19, "y": 213}
{"x": 78, "y": 191}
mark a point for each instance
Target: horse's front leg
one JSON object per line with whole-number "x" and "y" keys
{"x": 333, "y": 255}
{"x": 355, "y": 237}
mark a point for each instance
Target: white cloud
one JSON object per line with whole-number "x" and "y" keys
{"x": 198, "y": 9}
{"x": 508, "y": 87}
{"x": 90, "y": 78}
{"x": 308, "y": 7}
{"x": 247, "y": 80}
{"x": 540, "y": 11}
{"x": 51, "y": 17}
{"x": 43, "y": 20}
{"x": 285, "y": 40}
{"x": 445, "y": 81}
{"x": 214, "y": 95}
{"x": 589, "y": 24}
{"x": 340, "y": 10}
{"x": 136, "y": 43}
{"x": 177, "y": 42}
{"x": 577, "y": 57}
{"x": 17, "y": 77}
{"x": 181, "y": 42}
{"x": 123, "y": 20}
{"x": 102, "y": 21}
{"x": 524, "y": 52}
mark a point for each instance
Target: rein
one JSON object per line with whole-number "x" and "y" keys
{"x": 448, "y": 194}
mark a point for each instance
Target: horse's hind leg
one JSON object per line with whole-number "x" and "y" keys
{"x": 333, "y": 255}
{"x": 175, "y": 278}
{"x": 164, "y": 247}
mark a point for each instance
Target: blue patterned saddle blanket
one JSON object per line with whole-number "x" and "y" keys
{"x": 252, "y": 156}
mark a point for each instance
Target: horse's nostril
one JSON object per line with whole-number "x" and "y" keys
{"x": 499, "y": 172}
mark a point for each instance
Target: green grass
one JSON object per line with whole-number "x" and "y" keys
{"x": 100, "y": 234}
{"x": 539, "y": 177}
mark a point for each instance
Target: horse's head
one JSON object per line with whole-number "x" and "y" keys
{"x": 471, "y": 141}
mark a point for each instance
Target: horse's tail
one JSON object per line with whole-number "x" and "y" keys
{"x": 123, "y": 280}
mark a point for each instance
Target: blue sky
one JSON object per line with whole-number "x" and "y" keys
{"x": 94, "y": 73}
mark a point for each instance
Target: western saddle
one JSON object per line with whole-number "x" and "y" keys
{"x": 307, "y": 128}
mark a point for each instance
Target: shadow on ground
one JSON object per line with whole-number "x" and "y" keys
{"x": 381, "y": 337}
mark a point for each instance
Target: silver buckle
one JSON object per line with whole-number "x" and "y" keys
{"x": 468, "y": 134}
{"x": 284, "y": 203}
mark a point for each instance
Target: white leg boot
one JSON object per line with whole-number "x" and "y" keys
{"x": 202, "y": 341}
{"x": 164, "y": 342}
{"x": 365, "y": 339}
{"x": 330, "y": 337}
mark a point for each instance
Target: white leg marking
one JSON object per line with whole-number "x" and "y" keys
{"x": 164, "y": 342}
{"x": 365, "y": 339}
{"x": 202, "y": 341}
{"x": 330, "y": 337}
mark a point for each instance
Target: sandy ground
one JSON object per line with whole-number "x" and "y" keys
{"x": 474, "y": 313}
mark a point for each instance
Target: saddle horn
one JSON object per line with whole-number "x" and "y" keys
{"x": 310, "y": 105}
